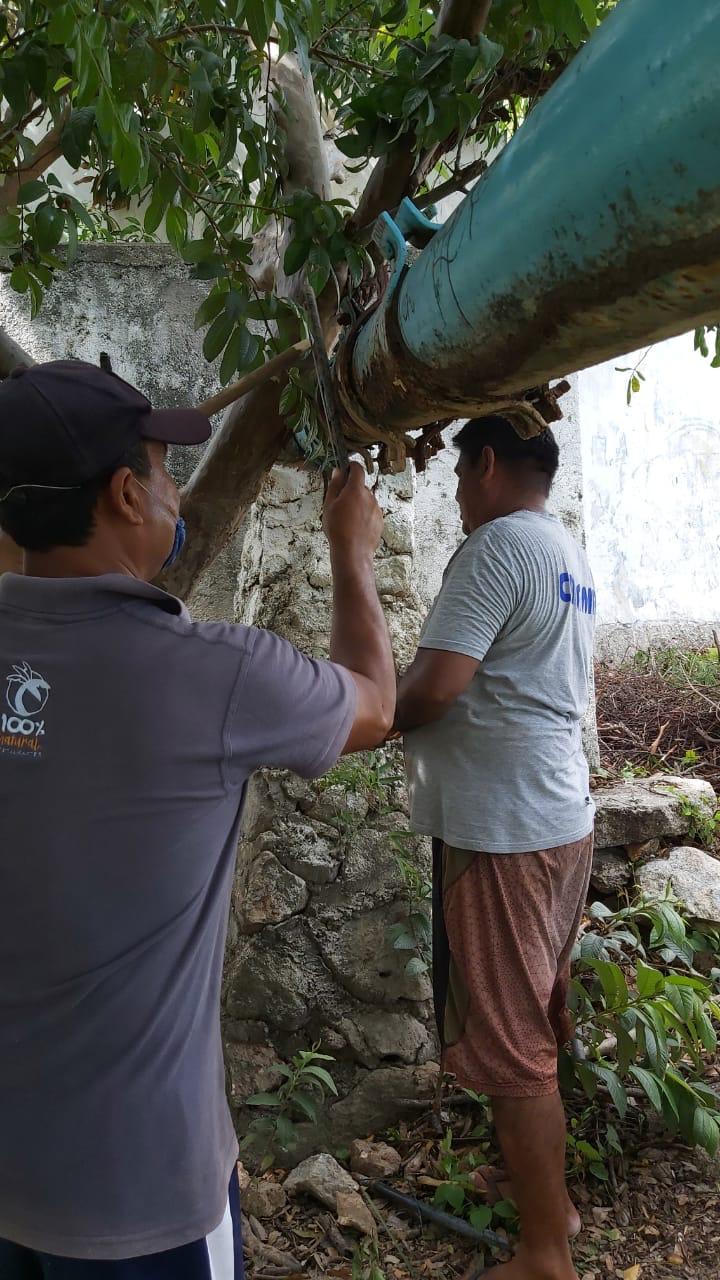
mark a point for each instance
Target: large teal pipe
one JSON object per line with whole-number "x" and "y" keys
{"x": 596, "y": 230}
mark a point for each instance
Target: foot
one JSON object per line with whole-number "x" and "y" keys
{"x": 529, "y": 1266}
{"x": 495, "y": 1185}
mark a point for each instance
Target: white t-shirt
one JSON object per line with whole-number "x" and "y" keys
{"x": 504, "y": 771}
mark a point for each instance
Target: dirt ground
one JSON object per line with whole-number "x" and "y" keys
{"x": 656, "y": 1218}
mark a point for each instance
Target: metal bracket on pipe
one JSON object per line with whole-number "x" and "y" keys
{"x": 391, "y": 236}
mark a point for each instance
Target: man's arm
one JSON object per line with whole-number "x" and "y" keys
{"x": 430, "y": 686}
{"x": 360, "y": 640}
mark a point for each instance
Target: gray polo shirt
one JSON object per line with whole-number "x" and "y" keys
{"x": 504, "y": 771}
{"x": 127, "y": 735}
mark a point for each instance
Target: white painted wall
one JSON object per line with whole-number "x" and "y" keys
{"x": 652, "y": 497}
{"x": 646, "y": 476}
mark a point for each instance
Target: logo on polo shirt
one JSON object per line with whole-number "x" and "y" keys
{"x": 26, "y": 695}
{"x": 27, "y": 692}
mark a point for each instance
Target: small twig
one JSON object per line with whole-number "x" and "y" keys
{"x": 457, "y": 182}
{"x": 278, "y": 364}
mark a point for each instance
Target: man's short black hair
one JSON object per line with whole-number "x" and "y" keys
{"x": 41, "y": 519}
{"x": 539, "y": 455}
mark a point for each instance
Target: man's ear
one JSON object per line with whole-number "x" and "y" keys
{"x": 487, "y": 462}
{"x": 124, "y": 496}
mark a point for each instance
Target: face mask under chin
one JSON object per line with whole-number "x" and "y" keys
{"x": 180, "y": 528}
{"x": 178, "y": 543}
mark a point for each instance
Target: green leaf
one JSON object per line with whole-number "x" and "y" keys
{"x": 681, "y": 1000}
{"x": 588, "y": 10}
{"x": 232, "y": 357}
{"x": 20, "y": 278}
{"x": 648, "y": 980}
{"x": 202, "y": 98}
{"x": 413, "y": 99}
{"x": 306, "y": 1104}
{"x": 285, "y": 1130}
{"x": 449, "y": 1193}
{"x": 154, "y": 213}
{"x": 61, "y": 26}
{"x": 480, "y": 1217}
{"x": 128, "y": 158}
{"x": 138, "y": 64}
{"x": 612, "y": 980}
{"x": 613, "y": 1085}
{"x": 217, "y": 336}
{"x": 323, "y": 1076}
{"x": 36, "y": 68}
{"x": 705, "y": 1130}
{"x": 76, "y": 135}
{"x": 352, "y": 145}
{"x": 650, "y": 1084}
{"x": 296, "y": 256}
{"x": 176, "y": 225}
{"x": 319, "y": 268}
{"x": 81, "y": 213}
{"x": 259, "y": 22}
{"x": 235, "y": 304}
{"x": 30, "y": 191}
{"x": 72, "y": 238}
{"x": 263, "y": 1100}
{"x": 211, "y": 307}
{"x": 9, "y": 228}
{"x": 708, "y": 1034}
{"x": 626, "y": 1048}
{"x": 505, "y": 1209}
{"x": 105, "y": 114}
{"x": 670, "y": 1106}
{"x": 415, "y": 966}
{"x": 48, "y": 226}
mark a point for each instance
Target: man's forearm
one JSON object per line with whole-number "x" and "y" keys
{"x": 415, "y": 707}
{"x": 360, "y": 639}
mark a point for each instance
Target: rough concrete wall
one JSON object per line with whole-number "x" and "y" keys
{"x": 652, "y": 480}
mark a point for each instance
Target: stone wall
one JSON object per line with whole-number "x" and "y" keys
{"x": 318, "y": 883}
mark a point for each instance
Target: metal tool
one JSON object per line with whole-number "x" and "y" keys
{"x": 326, "y": 386}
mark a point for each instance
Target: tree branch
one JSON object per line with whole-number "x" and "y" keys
{"x": 391, "y": 179}
{"x": 47, "y": 151}
{"x": 12, "y": 356}
{"x": 232, "y": 470}
{"x": 227, "y": 481}
{"x": 463, "y": 19}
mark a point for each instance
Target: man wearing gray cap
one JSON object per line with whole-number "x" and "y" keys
{"x": 127, "y": 736}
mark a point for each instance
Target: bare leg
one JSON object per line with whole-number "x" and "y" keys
{"x": 499, "y": 1187}
{"x": 531, "y": 1132}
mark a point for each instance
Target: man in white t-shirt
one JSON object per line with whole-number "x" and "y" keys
{"x": 491, "y": 709}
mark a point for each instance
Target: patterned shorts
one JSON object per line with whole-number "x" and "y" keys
{"x": 504, "y": 926}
